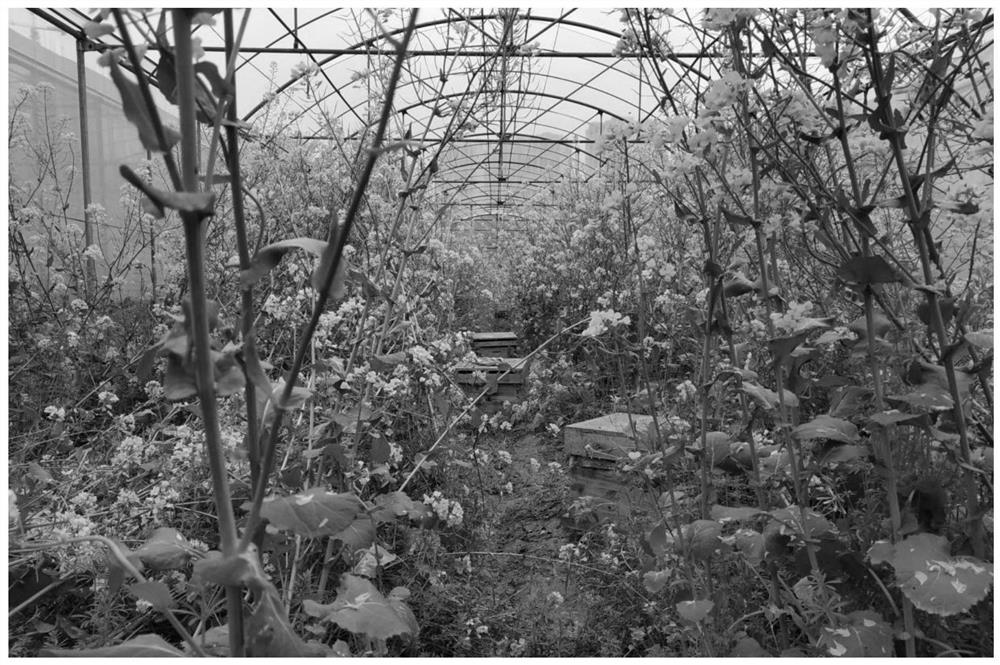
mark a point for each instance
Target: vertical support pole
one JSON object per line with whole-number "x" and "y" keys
{"x": 152, "y": 242}
{"x": 88, "y": 227}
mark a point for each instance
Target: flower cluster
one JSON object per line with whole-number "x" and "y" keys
{"x": 447, "y": 510}
{"x": 602, "y": 321}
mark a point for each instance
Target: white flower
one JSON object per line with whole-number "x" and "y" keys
{"x": 56, "y": 413}
{"x": 601, "y": 321}
{"x": 421, "y": 355}
{"x": 93, "y": 252}
{"x": 107, "y": 398}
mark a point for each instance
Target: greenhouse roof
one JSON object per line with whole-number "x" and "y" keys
{"x": 538, "y": 85}
{"x": 517, "y": 98}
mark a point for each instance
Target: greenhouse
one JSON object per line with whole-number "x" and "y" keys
{"x": 491, "y": 332}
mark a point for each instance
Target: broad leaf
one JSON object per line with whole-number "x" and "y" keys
{"x": 198, "y": 203}
{"x": 155, "y": 593}
{"x": 980, "y": 338}
{"x": 143, "y": 646}
{"x": 694, "y": 610}
{"x": 269, "y": 634}
{"x": 825, "y": 427}
{"x": 841, "y": 455}
{"x": 656, "y": 580}
{"x": 894, "y": 417}
{"x": 781, "y": 348}
{"x": 768, "y": 399}
{"x": 735, "y": 514}
{"x": 704, "y": 538}
{"x": 660, "y": 539}
{"x": 358, "y": 535}
{"x": 931, "y": 578}
{"x": 867, "y": 270}
{"x": 236, "y": 570}
{"x": 398, "y": 504}
{"x": 928, "y": 396}
{"x": 791, "y": 521}
{"x": 361, "y": 609}
{"x": 748, "y": 647}
{"x": 381, "y": 451}
{"x": 138, "y": 113}
{"x": 738, "y": 286}
{"x": 313, "y": 513}
{"x": 166, "y": 549}
{"x": 268, "y": 257}
{"x": 862, "y": 634}
{"x": 750, "y": 544}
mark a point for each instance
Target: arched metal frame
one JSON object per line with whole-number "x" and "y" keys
{"x": 540, "y": 123}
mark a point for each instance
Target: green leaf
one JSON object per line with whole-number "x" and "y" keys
{"x": 790, "y": 521}
{"x": 659, "y": 539}
{"x": 768, "y": 399}
{"x": 139, "y": 114}
{"x": 381, "y": 451}
{"x": 388, "y": 362}
{"x": 398, "y": 504}
{"x": 825, "y": 427}
{"x": 867, "y": 270}
{"x": 738, "y": 286}
{"x": 270, "y": 256}
{"x": 313, "y": 513}
{"x": 95, "y": 30}
{"x": 270, "y": 635}
{"x": 931, "y": 578}
{"x": 155, "y": 593}
{"x": 781, "y": 348}
{"x": 739, "y": 220}
{"x": 880, "y": 325}
{"x": 656, "y": 580}
{"x": 748, "y": 647}
{"x": 166, "y": 549}
{"x": 215, "y": 641}
{"x": 703, "y": 538}
{"x": 358, "y": 535}
{"x": 894, "y": 417}
{"x": 361, "y": 609}
{"x": 980, "y": 338}
{"x": 841, "y": 455}
{"x": 734, "y": 514}
{"x": 928, "y": 396}
{"x": 750, "y": 544}
{"x": 143, "y": 646}
{"x": 236, "y": 570}
{"x": 861, "y": 634}
{"x": 199, "y": 203}
{"x": 694, "y": 611}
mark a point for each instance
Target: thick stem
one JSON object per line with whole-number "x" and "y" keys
{"x": 204, "y": 369}
{"x": 339, "y": 239}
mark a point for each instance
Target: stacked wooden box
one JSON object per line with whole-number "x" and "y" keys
{"x": 492, "y": 374}
{"x": 595, "y": 447}
{"x": 495, "y": 344}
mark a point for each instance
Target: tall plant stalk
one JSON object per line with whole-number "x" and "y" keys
{"x": 194, "y": 232}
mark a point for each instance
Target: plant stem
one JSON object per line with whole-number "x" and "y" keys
{"x": 122, "y": 561}
{"x": 339, "y": 239}
{"x": 204, "y": 368}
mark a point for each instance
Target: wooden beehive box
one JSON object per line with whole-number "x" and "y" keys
{"x": 492, "y": 374}
{"x": 609, "y": 437}
{"x": 495, "y": 344}
{"x": 613, "y": 495}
